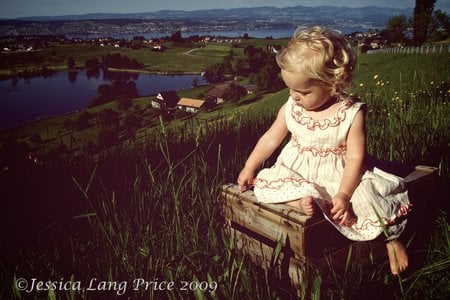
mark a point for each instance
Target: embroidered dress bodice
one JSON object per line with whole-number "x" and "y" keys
{"x": 312, "y": 164}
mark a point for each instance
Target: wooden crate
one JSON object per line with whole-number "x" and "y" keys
{"x": 257, "y": 228}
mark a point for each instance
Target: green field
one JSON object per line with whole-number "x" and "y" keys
{"x": 149, "y": 207}
{"x": 174, "y": 59}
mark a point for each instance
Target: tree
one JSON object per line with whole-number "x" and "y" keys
{"x": 195, "y": 82}
{"x": 131, "y": 121}
{"x": 83, "y": 120}
{"x": 395, "y": 28}
{"x": 71, "y": 64}
{"x": 215, "y": 73}
{"x": 421, "y": 20}
{"x": 72, "y": 76}
{"x": 257, "y": 58}
{"x": 176, "y": 37}
{"x": 116, "y": 60}
{"x": 92, "y": 63}
{"x": 440, "y": 26}
{"x": 124, "y": 103}
{"x": 234, "y": 92}
{"x": 241, "y": 67}
{"x": 108, "y": 118}
{"x": 268, "y": 79}
{"x": 227, "y": 66}
{"x": 118, "y": 89}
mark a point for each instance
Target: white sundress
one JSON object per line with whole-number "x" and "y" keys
{"x": 312, "y": 164}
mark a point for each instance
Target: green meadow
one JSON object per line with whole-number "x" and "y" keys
{"x": 176, "y": 58}
{"x": 149, "y": 208}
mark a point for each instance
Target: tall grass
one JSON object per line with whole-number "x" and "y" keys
{"x": 150, "y": 208}
{"x": 408, "y": 100}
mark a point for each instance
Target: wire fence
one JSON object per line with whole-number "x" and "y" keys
{"x": 427, "y": 49}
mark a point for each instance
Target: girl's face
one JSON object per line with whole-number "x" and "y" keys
{"x": 306, "y": 92}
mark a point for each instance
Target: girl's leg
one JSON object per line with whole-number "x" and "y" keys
{"x": 398, "y": 257}
{"x": 305, "y": 205}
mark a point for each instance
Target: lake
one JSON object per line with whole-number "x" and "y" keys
{"x": 275, "y": 33}
{"x": 26, "y": 100}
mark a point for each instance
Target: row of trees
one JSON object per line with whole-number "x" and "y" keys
{"x": 258, "y": 64}
{"x": 427, "y": 25}
{"x": 111, "y": 124}
{"x": 109, "y": 60}
{"x": 124, "y": 90}
{"x": 123, "y": 86}
{"x": 113, "y": 60}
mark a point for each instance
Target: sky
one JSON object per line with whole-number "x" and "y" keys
{"x": 25, "y": 8}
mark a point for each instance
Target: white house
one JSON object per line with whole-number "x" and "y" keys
{"x": 190, "y": 105}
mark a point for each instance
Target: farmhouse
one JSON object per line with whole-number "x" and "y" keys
{"x": 190, "y": 105}
{"x": 216, "y": 93}
{"x": 166, "y": 100}
{"x": 251, "y": 88}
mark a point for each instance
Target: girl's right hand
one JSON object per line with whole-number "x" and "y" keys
{"x": 245, "y": 179}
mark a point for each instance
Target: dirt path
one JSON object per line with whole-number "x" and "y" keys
{"x": 190, "y": 51}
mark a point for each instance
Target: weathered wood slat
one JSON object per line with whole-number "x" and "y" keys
{"x": 288, "y": 212}
{"x": 262, "y": 254}
{"x": 257, "y": 227}
{"x": 264, "y": 222}
{"x": 420, "y": 174}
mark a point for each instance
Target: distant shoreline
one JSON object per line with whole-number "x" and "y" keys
{"x": 56, "y": 70}
{"x": 153, "y": 72}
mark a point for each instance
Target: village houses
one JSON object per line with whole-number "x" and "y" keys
{"x": 190, "y": 105}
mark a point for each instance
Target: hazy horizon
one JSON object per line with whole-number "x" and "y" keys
{"x": 12, "y": 9}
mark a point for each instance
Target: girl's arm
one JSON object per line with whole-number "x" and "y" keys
{"x": 356, "y": 150}
{"x": 266, "y": 145}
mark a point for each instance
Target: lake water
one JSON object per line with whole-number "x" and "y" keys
{"x": 262, "y": 33}
{"x": 25, "y": 100}
{"x": 275, "y": 33}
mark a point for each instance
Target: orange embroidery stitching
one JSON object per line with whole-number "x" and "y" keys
{"x": 319, "y": 151}
{"x": 278, "y": 184}
{"x": 403, "y": 211}
{"x": 303, "y": 119}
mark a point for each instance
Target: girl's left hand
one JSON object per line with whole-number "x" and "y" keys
{"x": 340, "y": 211}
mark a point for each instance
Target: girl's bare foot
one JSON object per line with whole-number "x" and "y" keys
{"x": 305, "y": 205}
{"x": 398, "y": 258}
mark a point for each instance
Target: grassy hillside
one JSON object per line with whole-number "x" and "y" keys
{"x": 176, "y": 58}
{"x": 149, "y": 208}
{"x": 408, "y": 101}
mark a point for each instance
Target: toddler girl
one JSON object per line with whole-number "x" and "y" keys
{"x": 322, "y": 165}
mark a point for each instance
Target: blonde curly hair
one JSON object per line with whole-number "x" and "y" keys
{"x": 322, "y": 55}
